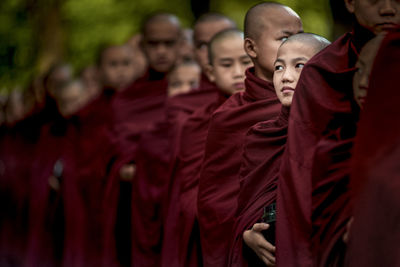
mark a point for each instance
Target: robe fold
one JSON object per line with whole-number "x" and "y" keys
{"x": 375, "y": 235}
{"x": 321, "y": 104}
{"x": 219, "y": 183}
{"x": 181, "y": 245}
{"x": 262, "y": 152}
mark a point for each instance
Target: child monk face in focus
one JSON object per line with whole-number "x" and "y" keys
{"x": 117, "y": 67}
{"x": 291, "y": 58}
{"x": 183, "y": 78}
{"x": 364, "y": 66}
{"x": 228, "y": 63}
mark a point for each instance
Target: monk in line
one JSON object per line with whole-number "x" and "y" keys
{"x": 374, "y": 233}
{"x": 322, "y": 105}
{"x": 266, "y": 25}
{"x": 262, "y": 152}
{"x": 228, "y": 62}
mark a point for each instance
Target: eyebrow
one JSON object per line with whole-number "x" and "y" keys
{"x": 293, "y": 60}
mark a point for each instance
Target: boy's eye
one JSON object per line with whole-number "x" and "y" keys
{"x": 278, "y": 67}
{"x": 283, "y": 38}
{"x": 226, "y": 65}
{"x": 300, "y": 65}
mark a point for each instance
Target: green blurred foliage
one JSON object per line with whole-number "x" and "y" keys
{"x": 90, "y": 23}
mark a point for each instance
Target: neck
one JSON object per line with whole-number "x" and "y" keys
{"x": 262, "y": 74}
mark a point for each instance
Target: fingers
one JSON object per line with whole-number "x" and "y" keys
{"x": 267, "y": 260}
{"x": 260, "y": 227}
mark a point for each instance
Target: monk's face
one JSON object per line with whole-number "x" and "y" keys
{"x": 72, "y": 99}
{"x": 161, "y": 43}
{"x": 183, "y": 79}
{"x": 278, "y": 26}
{"x": 58, "y": 77}
{"x": 117, "y": 67}
{"x": 364, "y": 66}
{"x": 203, "y": 32}
{"x": 230, "y": 62}
{"x": 376, "y": 15}
{"x": 186, "y": 51}
{"x": 291, "y": 58}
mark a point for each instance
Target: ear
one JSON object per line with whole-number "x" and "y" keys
{"x": 209, "y": 71}
{"x": 250, "y": 47}
{"x": 350, "y": 5}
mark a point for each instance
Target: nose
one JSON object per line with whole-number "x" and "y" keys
{"x": 288, "y": 76}
{"x": 387, "y": 8}
{"x": 238, "y": 70}
{"x": 364, "y": 80}
{"x": 161, "y": 48}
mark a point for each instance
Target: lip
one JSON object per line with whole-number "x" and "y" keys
{"x": 287, "y": 89}
{"x": 388, "y": 26}
{"x": 362, "y": 99}
{"x": 239, "y": 85}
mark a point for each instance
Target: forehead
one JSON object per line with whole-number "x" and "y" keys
{"x": 295, "y": 49}
{"x": 228, "y": 46}
{"x": 185, "y": 69}
{"x": 161, "y": 30}
{"x": 204, "y": 31}
{"x": 279, "y": 20}
{"x": 368, "y": 52}
{"x": 116, "y": 52}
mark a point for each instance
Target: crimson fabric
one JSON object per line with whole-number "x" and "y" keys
{"x": 374, "y": 235}
{"x": 182, "y": 237}
{"x": 46, "y": 235}
{"x": 219, "y": 183}
{"x": 93, "y": 155}
{"x": 331, "y": 204}
{"x": 17, "y": 144}
{"x": 152, "y": 180}
{"x": 137, "y": 109}
{"x": 321, "y": 103}
{"x": 263, "y": 148}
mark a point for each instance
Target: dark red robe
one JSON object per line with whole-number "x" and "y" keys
{"x": 375, "y": 183}
{"x": 321, "y": 103}
{"x": 219, "y": 183}
{"x": 181, "y": 244}
{"x": 262, "y": 152}
{"x": 151, "y": 185}
{"x": 17, "y": 143}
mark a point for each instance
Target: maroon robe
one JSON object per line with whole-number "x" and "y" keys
{"x": 181, "y": 247}
{"x": 219, "y": 183}
{"x": 151, "y": 185}
{"x": 137, "y": 109}
{"x": 331, "y": 205}
{"x": 375, "y": 183}
{"x": 263, "y": 149}
{"x": 17, "y": 144}
{"x": 321, "y": 103}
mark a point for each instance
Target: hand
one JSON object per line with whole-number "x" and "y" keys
{"x": 346, "y": 234}
{"x": 127, "y": 172}
{"x": 256, "y": 241}
{"x": 54, "y": 183}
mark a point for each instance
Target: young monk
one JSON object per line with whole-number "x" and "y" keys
{"x": 184, "y": 78}
{"x": 117, "y": 67}
{"x": 263, "y": 148}
{"x": 327, "y": 76}
{"x": 228, "y": 62}
{"x": 204, "y": 29}
{"x": 141, "y": 105}
{"x": 186, "y": 52}
{"x": 266, "y": 26}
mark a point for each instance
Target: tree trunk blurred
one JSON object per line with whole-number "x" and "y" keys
{"x": 46, "y": 16}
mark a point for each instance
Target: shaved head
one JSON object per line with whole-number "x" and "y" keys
{"x": 316, "y": 42}
{"x": 160, "y": 18}
{"x": 213, "y": 17}
{"x": 254, "y": 22}
{"x": 219, "y": 37}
